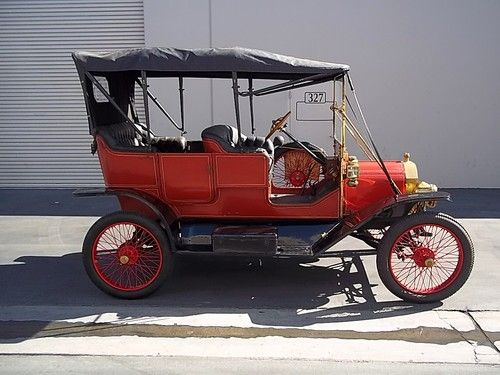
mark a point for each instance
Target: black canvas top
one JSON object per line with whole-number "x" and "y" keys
{"x": 204, "y": 62}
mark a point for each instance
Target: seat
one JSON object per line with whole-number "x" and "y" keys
{"x": 169, "y": 144}
{"x": 123, "y": 137}
{"x": 225, "y": 136}
{"x": 226, "y": 139}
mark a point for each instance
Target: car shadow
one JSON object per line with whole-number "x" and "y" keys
{"x": 272, "y": 293}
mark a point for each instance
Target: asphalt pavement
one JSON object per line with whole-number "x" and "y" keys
{"x": 334, "y": 310}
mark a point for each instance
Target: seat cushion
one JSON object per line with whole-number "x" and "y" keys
{"x": 169, "y": 144}
{"x": 226, "y": 136}
{"x": 122, "y": 136}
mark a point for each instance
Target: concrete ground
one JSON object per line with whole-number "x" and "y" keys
{"x": 57, "y": 364}
{"x": 332, "y": 310}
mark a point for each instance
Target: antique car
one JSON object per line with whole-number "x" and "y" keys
{"x": 225, "y": 193}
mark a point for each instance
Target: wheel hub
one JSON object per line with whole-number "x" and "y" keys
{"x": 429, "y": 262}
{"x": 128, "y": 254}
{"x": 297, "y": 178}
{"x": 424, "y": 257}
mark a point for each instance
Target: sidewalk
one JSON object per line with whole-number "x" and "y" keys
{"x": 425, "y": 337}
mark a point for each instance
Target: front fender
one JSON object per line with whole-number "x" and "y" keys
{"x": 389, "y": 209}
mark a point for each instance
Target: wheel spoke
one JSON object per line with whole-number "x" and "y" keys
{"x": 127, "y": 256}
{"x": 427, "y": 242}
{"x": 295, "y": 168}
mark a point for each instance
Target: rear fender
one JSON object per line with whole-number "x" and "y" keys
{"x": 145, "y": 204}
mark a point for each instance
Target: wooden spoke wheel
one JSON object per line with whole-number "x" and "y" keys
{"x": 425, "y": 257}
{"x": 126, "y": 255}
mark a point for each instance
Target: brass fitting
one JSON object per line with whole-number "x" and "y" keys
{"x": 412, "y": 182}
{"x": 352, "y": 171}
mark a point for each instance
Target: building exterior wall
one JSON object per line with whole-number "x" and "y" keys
{"x": 44, "y": 140}
{"x": 425, "y": 72}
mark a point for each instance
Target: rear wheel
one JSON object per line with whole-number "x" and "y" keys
{"x": 425, "y": 257}
{"x": 126, "y": 255}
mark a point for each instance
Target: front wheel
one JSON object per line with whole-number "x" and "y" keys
{"x": 425, "y": 257}
{"x": 126, "y": 255}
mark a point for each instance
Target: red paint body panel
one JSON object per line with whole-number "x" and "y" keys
{"x": 241, "y": 170}
{"x": 253, "y": 203}
{"x": 186, "y": 177}
{"x": 211, "y": 146}
{"x": 221, "y": 185}
{"x": 136, "y": 170}
{"x": 373, "y": 186}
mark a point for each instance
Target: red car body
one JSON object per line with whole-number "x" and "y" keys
{"x": 219, "y": 185}
{"x": 229, "y": 194}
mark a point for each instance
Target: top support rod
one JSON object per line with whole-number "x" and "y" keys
{"x": 393, "y": 185}
{"x": 250, "y": 97}
{"x": 144, "y": 85}
{"x": 301, "y": 82}
{"x": 181, "y": 102}
{"x": 237, "y": 105}
{"x": 110, "y": 99}
{"x": 163, "y": 110}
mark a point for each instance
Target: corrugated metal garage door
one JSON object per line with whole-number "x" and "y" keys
{"x": 44, "y": 139}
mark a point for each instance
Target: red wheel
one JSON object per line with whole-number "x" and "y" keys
{"x": 426, "y": 257}
{"x": 295, "y": 168}
{"x": 124, "y": 254}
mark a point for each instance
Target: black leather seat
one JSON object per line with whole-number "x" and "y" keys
{"x": 169, "y": 144}
{"x": 227, "y": 137}
{"x": 123, "y": 137}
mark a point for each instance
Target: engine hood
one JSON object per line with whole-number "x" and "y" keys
{"x": 373, "y": 185}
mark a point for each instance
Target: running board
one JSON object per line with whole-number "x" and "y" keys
{"x": 266, "y": 239}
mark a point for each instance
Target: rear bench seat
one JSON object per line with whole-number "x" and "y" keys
{"x": 123, "y": 137}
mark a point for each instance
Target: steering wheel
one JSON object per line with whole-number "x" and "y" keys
{"x": 278, "y": 124}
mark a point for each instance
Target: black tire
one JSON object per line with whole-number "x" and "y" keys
{"x": 404, "y": 231}
{"x": 148, "y": 256}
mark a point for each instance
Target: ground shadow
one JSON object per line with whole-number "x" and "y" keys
{"x": 299, "y": 291}
{"x": 54, "y": 202}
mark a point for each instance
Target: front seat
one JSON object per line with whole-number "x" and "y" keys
{"x": 224, "y": 138}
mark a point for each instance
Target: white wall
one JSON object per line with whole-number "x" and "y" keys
{"x": 427, "y": 72}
